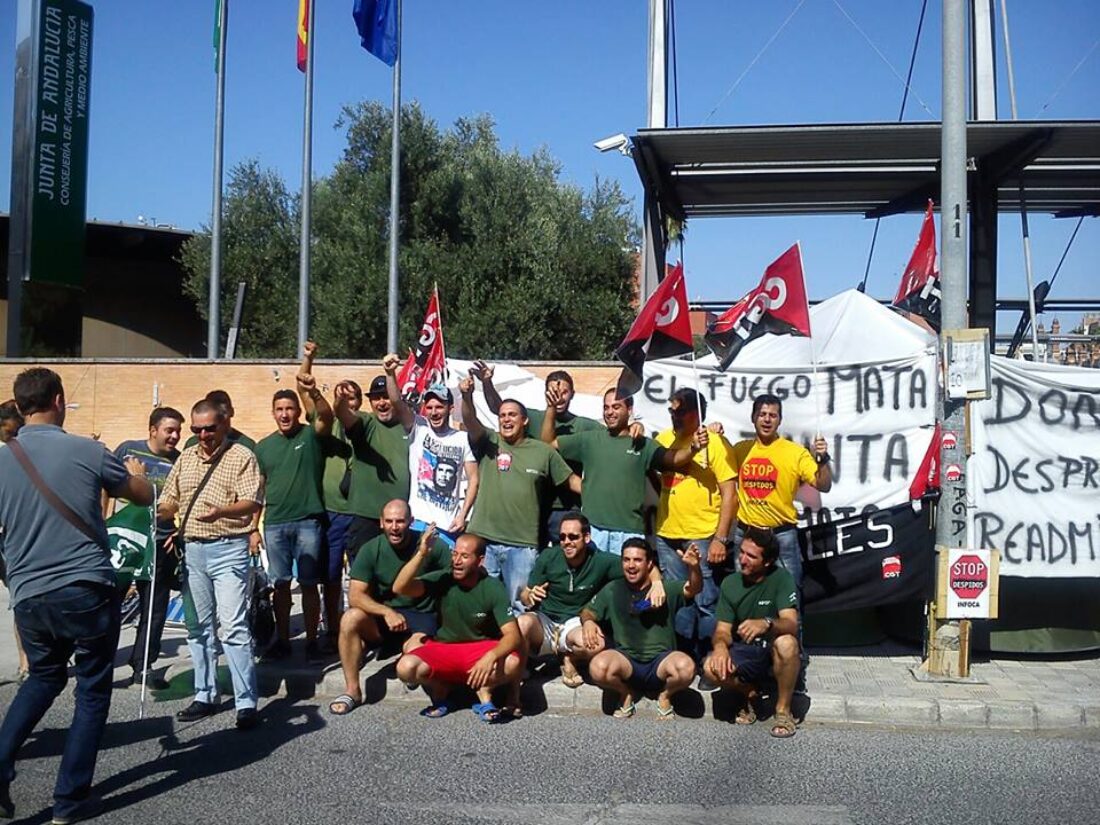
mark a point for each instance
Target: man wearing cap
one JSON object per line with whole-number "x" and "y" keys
{"x": 444, "y": 474}
{"x": 380, "y": 460}
{"x": 518, "y": 474}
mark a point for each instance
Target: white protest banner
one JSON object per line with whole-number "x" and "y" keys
{"x": 1034, "y": 474}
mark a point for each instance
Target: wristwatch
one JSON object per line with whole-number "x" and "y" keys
{"x": 824, "y": 458}
{"x": 771, "y": 624}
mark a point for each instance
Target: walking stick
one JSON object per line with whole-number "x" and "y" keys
{"x": 152, "y": 601}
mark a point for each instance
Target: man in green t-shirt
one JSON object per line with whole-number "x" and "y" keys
{"x": 292, "y": 463}
{"x": 616, "y": 461}
{"x": 565, "y": 577}
{"x": 644, "y": 658}
{"x": 478, "y": 643}
{"x": 565, "y": 423}
{"x": 380, "y": 460}
{"x": 377, "y": 614}
{"x": 760, "y": 605}
{"x": 518, "y": 475}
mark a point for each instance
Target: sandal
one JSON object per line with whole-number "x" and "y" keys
{"x": 570, "y": 677}
{"x": 745, "y": 716}
{"x": 783, "y": 726}
{"x": 666, "y": 714}
{"x": 435, "y": 711}
{"x": 625, "y": 711}
{"x": 488, "y": 712}
{"x": 345, "y": 701}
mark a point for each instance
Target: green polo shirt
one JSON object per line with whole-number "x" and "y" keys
{"x": 614, "y": 476}
{"x": 643, "y": 635}
{"x": 571, "y": 588}
{"x": 380, "y": 466}
{"x": 472, "y": 615}
{"x": 514, "y": 482}
{"x": 564, "y": 424}
{"x": 338, "y": 459}
{"x": 378, "y": 563}
{"x": 291, "y": 466}
{"x": 738, "y": 600}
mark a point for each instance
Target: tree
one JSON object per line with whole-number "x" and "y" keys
{"x": 527, "y": 266}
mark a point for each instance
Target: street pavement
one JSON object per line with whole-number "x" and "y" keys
{"x": 385, "y": 764}
{"x": 1057, "y": 693}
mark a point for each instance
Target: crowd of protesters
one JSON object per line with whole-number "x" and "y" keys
{"x": 470, "y": 551}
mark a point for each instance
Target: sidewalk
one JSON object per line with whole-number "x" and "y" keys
{"x": 1011, "y": 694}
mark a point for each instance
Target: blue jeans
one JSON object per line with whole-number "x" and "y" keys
{"x": 335, "y": 540}
{"x": 611, "y": 541}
{"x": 81, "y": 618}
{"x": 295, "y": 543}
{"x": 696, "y": 621}
{"x": 217, "y": 579}
{"x": 512, "y": 564}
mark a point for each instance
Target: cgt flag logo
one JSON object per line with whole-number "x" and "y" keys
{"x": 661, "y": 330}
{"x": 919, "y": 290}
{"x": 776, "y": 306}
{"x": 427, "y": 364}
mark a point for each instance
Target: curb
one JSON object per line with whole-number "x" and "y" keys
{"x": 544, "y": 693}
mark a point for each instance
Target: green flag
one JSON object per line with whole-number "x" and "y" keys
{"x": 130, "y": 531}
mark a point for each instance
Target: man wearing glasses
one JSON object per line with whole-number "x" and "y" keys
{"x": 215, "y": 528}
{"x": 564, "y": 579}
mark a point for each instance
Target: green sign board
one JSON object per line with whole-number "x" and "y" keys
{"x": 59, "y": 172}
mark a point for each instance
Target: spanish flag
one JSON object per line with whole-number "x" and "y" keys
{"x": 303, "y": 34}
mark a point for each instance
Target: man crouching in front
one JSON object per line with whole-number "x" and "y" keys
{"x": 478, "y": 642}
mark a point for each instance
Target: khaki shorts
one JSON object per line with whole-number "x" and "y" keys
{"x": 556, "y": 631}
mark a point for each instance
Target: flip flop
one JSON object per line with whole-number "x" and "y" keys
{"x": 488, "y": 712}
{"x": 346, "y": 701}
{"x": 783, "y": 726}
{"x": 435, "y": 711}
{"x": 625, "y": 711}
{"x": 572, "y": 680}
{"x": 666, "y": 714}
{"x": 745, "y": 716}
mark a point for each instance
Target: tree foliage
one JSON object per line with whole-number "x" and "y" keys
{"x": 527, "y": 266}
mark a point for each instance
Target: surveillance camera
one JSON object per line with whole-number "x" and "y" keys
{"x": 609, "y": 144}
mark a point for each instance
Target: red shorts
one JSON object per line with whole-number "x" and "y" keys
{"x": 452, "y": 661}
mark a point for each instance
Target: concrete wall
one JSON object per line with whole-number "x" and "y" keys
{"x": 112, "y": 399}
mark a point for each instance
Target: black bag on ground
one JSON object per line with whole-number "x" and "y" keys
{"x": 261, "y": 613}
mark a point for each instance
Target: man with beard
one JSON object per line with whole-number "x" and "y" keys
{"x": 380, "y": 460}
{"x": 375, "y": 612}
{"x": 644, "y": 658}
{"x": 478, "y": 643}
{"x": 517, "y": 475}
{"x": 615, "y": 464}
{"x": 444, "y": 473}
{"x": 565, "y": 578}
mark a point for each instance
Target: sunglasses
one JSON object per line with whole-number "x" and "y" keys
{"x": 209, "y": 428}
{"x": 569, "y": 536}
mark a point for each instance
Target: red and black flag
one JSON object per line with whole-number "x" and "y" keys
{"x": 919, "y": 290}
{"x": 661, "y": 330}
{"x": 777, "y": 306}
{"x": 427, "y": 364}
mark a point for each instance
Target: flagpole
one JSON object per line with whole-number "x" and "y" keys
{"x": 813, "y": 346}
{"x": 694, "y": 366}
{"x": 395, "y": 184}
{"x": 307, "y": 191}
{"x": 213, "y": 311}
{"x": 442, "y": 343}
{"x": 152, "y": 601}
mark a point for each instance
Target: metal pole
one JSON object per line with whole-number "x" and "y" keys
{"x": 22, "y": 164}
{"x": 656, "y": 118}
{"x": 213, "y": 307}
{"x": 307, "y": 192}
{"x": 1023, "y": 203}
{"x": 395, "y": 194}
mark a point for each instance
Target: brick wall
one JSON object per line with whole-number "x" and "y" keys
{"x": 113, "y": 399}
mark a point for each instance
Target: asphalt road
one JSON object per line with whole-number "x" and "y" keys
{"x": 385, "y": 764}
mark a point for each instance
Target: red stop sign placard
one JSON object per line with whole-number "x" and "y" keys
{"x": 968, "y": 576}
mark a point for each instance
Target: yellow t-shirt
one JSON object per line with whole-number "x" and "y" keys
{"x": 768, "y": 477}
{"x": 690, "y": 502}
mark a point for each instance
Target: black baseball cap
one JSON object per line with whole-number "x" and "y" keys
{"x": 377, "y": 386}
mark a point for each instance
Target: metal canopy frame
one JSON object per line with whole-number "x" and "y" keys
{"x": 874, "y": 170}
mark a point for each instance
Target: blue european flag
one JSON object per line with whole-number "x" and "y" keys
{"x": 376, "y": 21}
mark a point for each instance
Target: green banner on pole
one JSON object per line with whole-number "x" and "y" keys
{"x": 60, "y": 160}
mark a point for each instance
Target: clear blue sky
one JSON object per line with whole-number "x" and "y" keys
{"x": 562, "y": 75}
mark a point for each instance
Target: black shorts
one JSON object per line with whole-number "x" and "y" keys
{"x": 643, "y": 675}
{"x": 415, "y": 622}
{"x": 753, "y": 663}
{"x": 361, "y": 530}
